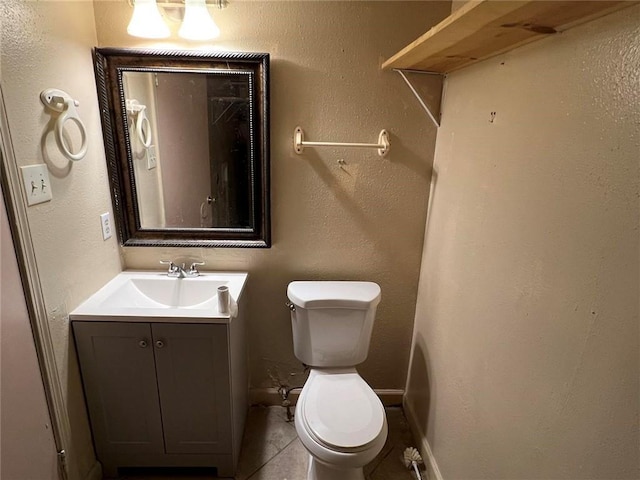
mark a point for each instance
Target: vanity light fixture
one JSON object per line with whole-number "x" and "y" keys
{"x": 197, "y": 24}
{"x": 146, "y": 21}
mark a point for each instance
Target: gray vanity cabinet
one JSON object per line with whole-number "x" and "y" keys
{"x": 193, "y": 385}
{"x": 119, "y": 377}
{"x": 160, "y": 394}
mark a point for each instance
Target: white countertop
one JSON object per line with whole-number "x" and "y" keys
{"x": 152, "y": 296}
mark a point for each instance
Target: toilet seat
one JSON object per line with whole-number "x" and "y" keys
{"x": 341, "y": 412}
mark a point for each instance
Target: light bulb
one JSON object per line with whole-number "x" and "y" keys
{"x": 197, "y": 23}
{"x": 146, "y": 21}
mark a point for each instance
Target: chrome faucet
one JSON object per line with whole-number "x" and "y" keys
{"x": 178, "y": 271}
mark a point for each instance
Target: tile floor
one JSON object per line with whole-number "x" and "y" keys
{"x": 271, "y": 451}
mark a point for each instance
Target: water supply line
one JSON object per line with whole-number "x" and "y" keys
{"x": 284, "y": 390}
{"x": 286, "y": 403}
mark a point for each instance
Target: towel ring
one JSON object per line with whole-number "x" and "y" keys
{"x": 61, "y": 102}
{"x": 137, "y": 110}
{"x": 142, "y": 124}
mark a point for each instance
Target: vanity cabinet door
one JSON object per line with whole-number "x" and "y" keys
{"x": 119, "y": 379}
{"x": 192, "y": 366}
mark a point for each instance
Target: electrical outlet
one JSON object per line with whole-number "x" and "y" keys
{"x": 105, "y": 220}
{"x": 37, "y": 188}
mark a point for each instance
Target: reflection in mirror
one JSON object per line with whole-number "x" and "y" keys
{"x": 188, "y": 136}
{"x": 206, "y": 116}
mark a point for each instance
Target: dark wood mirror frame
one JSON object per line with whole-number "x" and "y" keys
{"x": 109, "y": 64}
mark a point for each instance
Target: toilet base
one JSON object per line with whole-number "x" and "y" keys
{"x": 320, "y": 471}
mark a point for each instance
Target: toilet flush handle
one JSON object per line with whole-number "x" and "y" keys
{"x": 291, "y": 306}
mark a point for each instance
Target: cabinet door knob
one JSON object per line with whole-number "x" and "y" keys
{"x": 142, "y": 344}
{"x": 159, "y": 343}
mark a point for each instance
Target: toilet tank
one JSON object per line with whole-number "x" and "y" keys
{"x": 332, "y": 321}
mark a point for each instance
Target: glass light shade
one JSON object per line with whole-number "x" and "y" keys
{"x": 197, "y": 23}
{"x": 146, "y": 21}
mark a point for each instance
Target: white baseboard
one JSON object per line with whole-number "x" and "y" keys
{"x": 270, "y": 396}
{"x": 433, "y": 472}
{"x": 95, "y": 473}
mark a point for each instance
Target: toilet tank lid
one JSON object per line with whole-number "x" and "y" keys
{"x": 334, "y": 294}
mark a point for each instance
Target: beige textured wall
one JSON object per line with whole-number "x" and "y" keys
{"x": 365, "y": 221}
{"x": 48, "y": 45}
{"x": 525, "y": 361}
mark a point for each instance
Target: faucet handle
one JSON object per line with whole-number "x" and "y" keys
{"x": 193, "y": 270}
{"x": 172, "y": 266}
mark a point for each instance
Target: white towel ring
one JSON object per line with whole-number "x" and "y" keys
{"x": 70, "y": 113}
{"x": 142, "y": 124}
{"x": 61, "y": 102}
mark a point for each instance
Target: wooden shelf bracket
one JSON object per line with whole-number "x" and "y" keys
{"x": 435, "y": 118}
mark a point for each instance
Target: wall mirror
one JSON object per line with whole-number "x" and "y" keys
{"x": 187, "y": 141}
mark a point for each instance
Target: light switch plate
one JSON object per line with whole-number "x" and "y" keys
{"x": 152, "y": 160}
{"x": 37, "y": 187}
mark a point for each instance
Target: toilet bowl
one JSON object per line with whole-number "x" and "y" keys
{"x": 339, "y": 419}
{"x": 341, "y": 423}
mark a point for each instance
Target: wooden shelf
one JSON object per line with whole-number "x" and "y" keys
{"x": 485, "y": 28}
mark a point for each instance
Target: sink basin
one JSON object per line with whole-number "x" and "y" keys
{"x": 154, "y": 296}
{"x": 158, "y": 292}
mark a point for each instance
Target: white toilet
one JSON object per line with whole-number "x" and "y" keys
{"x": 339, "y": 418}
